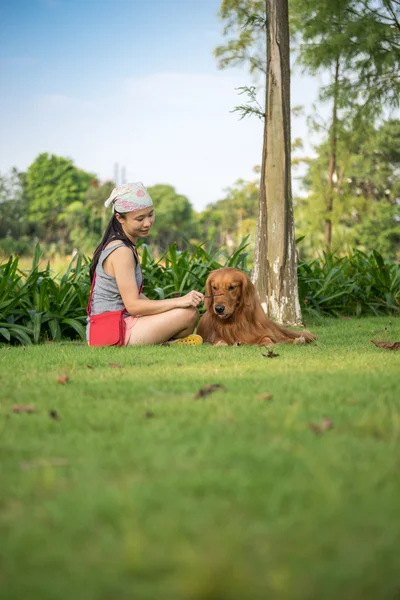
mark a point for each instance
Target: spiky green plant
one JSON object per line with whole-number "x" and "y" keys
{"x": 350, "y": 285}
{"x": 37, "y": 305}
{"x": 178, "y": 272}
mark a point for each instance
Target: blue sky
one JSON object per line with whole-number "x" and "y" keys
{"x": 133, "y": 83}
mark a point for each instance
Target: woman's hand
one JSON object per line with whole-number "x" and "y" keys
{"x": 193, "y": 298}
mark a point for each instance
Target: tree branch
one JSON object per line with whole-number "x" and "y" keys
{"x": 390, "y": 8}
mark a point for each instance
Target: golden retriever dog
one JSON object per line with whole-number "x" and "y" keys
{"x": 235, "y": 315}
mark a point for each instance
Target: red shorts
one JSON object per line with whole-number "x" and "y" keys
{"x": 129, "y": 322}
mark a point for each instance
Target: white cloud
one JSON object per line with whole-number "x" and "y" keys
{"x": 57, "y": 101}
{"x": 168, "y": 127}
{"x": 174, "y": 128}
{"x": 61, "y": 102}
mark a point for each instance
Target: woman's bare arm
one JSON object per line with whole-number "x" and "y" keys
{"x": 123, "y": 267}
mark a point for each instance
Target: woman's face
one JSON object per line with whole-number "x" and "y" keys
{"x": 137, "y": 224}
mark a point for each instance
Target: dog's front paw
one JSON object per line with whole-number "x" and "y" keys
{"x": 266, "y": 341}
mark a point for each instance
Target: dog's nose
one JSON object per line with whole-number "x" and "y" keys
{"x": 219, "y": 309}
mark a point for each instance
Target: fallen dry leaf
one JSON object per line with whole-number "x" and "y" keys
{"x": 271, "y": 354}
{"x": 387, "y": 345}
{"x": 324, "y": 425}
{"x": 114, "y": 365}
{"x": 208, "y": 389}
{"x": 23, "y": 408}
{"x": 53, "y": 414}
{"x": 264, "y": 397}
{"x": 63, "y": 379}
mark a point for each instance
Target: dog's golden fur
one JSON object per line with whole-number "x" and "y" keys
{"x": 234, "y": 314}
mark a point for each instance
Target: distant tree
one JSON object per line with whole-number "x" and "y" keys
{"x": 244, "y": 45}
{"x": 357, "y": 42}
{"x": 174, "y": 217}
{"x": 234, "y": 217}
{"x": 97, "y": 214}
{"x": 52, "y": 185}
{"x": 13, "y": 206}
{"x": 86, "y": 220}
{"x": 209, "y": 225}
{"x": 366, "y": 192}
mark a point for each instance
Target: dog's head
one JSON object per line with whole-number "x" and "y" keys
{"x": 228, "y": 290}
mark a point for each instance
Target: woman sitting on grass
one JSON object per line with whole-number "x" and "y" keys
{"x": 119, "y": 280}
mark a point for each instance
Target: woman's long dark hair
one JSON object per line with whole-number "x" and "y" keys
{"x": 114, "y": 231}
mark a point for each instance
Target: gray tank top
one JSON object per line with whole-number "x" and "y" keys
{"x": 106, "y": 296}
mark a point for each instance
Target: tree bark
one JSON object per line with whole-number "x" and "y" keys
{"x": 332, "y": 160}
{"x": 275, "y": 261}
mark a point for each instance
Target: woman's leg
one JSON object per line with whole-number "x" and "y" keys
{"x": 155, "y": 329}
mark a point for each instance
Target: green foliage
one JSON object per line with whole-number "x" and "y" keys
{"x": 87, "y": 221}
{"x": 243, "y": 21}
{"x": 177, "y": 272}
{"x": 36, "y": 306}
{"x": 174, "y": 216}
{"x": 22, "y": 245}
{"x": 55, "y": 191}
{"x": 376, "y": 33}
{"x": 366, "y": 191}
{"x": 28, "y": 212}
{"x": 13, "y": 205}
{"x": 252, "y": 106}
{"x": 232, "y": 218}
{"x": 357, "y": 284}
{"x": 361, "y": 40}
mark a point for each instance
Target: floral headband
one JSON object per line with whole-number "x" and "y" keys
{"x": 129, "y": 197}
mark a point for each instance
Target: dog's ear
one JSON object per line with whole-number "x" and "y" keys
{"x": 208, "y": 301}
{"x": 249, "y": 294}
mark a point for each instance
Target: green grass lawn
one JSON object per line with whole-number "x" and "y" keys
{"x": 138, "y": 490}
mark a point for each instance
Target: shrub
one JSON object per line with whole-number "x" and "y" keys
{"x": 351, "y": 285}
{"x": 36, "y": 305}
{"x": 177, "y": 272}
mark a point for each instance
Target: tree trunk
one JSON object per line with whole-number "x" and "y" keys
{"x": 332, "y": 161}
{"x": 275, "y": 261}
